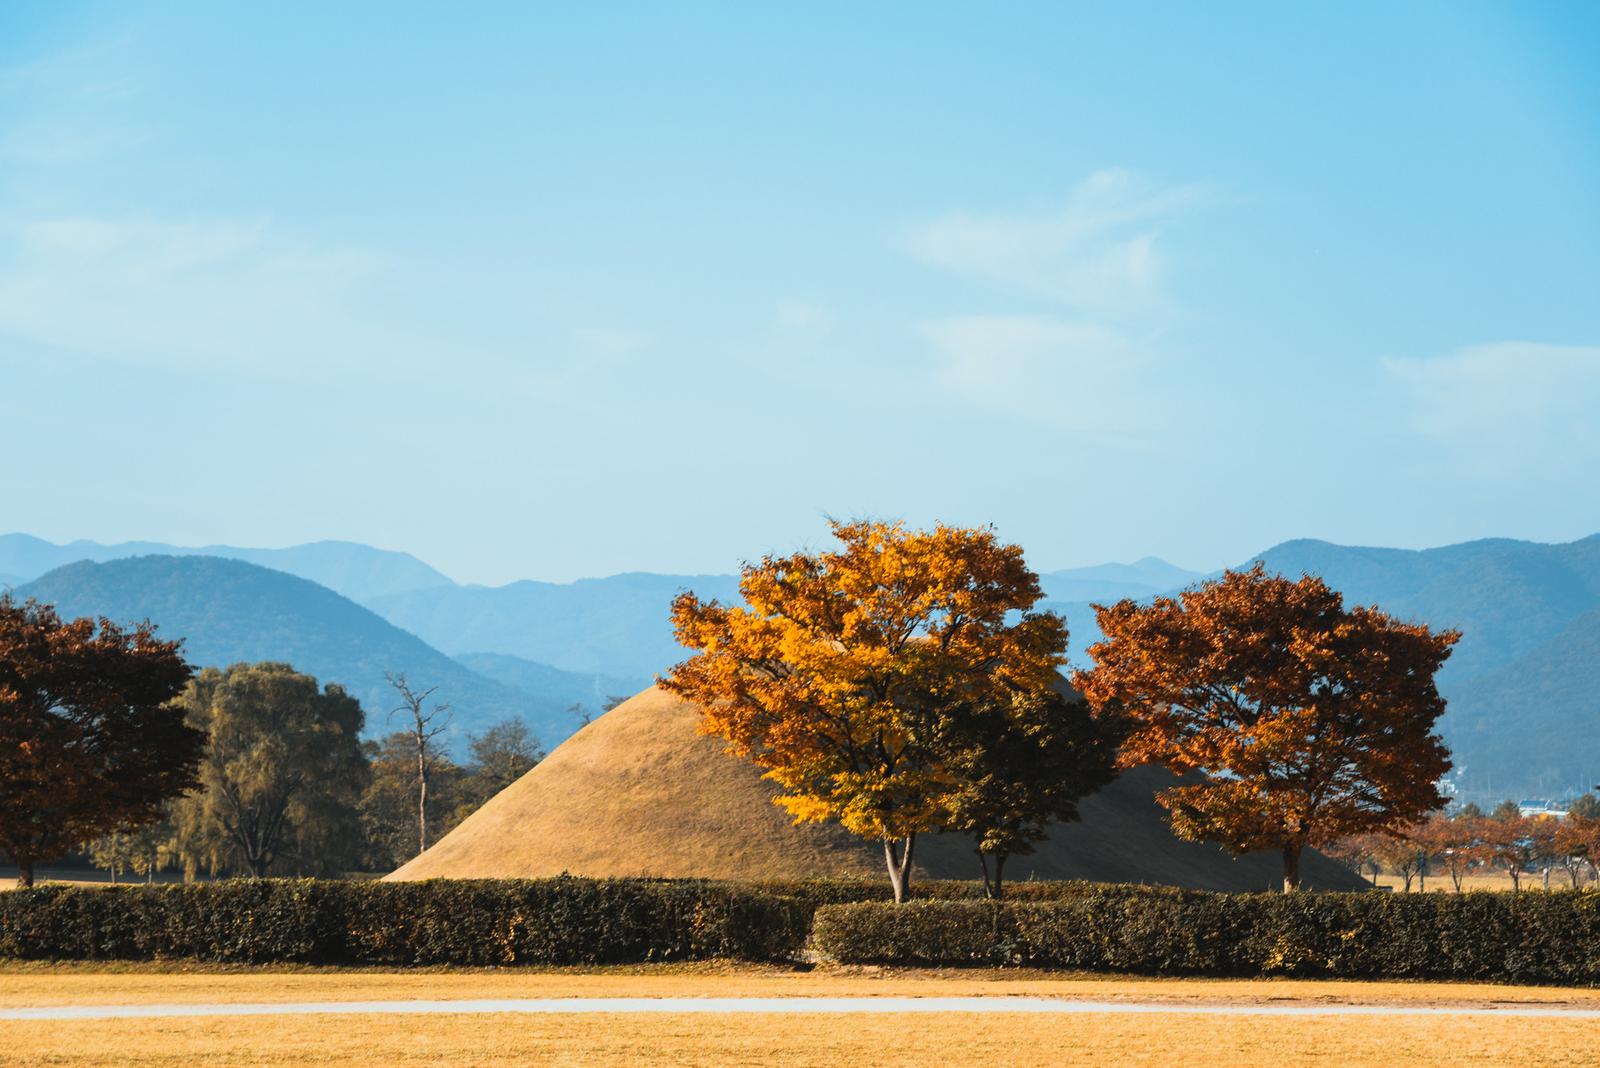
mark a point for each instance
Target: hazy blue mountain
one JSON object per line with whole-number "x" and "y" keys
{"x": 567, "y": 687}
{"x": 357, "y": 571}
{"x": 1110, "y": 582}
{"x": 1506, "y": 597}
{"x": 228, "y": 611}
{"x": 7, "y": 580}
{"x": 1521, "y": 683}
{"x": 1532, "y": 727}
{"x": 616, "y": 625}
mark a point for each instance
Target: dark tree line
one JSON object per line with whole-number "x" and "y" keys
{"x": 110, "y": 743}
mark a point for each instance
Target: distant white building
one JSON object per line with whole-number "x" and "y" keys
{"x": 1534, "y": 807}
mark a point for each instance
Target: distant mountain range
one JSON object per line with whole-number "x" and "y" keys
{"x": 229, "y": 611}
{"x": 616, "y": 625}
{"x": 1112, "y": 582}
{"x": 355, "y": 570}
{"x": 1524, "y": 719}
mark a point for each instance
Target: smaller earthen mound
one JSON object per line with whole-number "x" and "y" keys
{"x": 640, "y": 792}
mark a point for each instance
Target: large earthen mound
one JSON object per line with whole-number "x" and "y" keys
{"x": 640, "y": 792}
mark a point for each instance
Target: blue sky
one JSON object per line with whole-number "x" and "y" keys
{"x": 539, "y": 292}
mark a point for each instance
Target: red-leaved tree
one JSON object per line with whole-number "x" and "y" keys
{"x": 89, "y": 739}
{"x": 1310, "y": 721}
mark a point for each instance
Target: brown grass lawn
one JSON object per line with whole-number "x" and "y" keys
{"x": 1495, "y": 880}
{"x": 775, "y": 1040}
{"x": 177, "y": 983}
{"x": 797, "y": 1041}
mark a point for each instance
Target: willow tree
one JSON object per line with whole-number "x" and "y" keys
{"x": 281, "y": 776}
{"x": 1310, "y": 721}
{"x": 834, "y": 673}
{"x": 89, "y": 741}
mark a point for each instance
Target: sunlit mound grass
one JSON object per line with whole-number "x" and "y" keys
{"x": 640, "y": 792}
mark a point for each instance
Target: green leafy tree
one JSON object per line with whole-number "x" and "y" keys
{"x": 1506, "y": 812}
{"x": 281, "y": 776}
{"x": 499, "y": 757}
{"x": 143, "y": 850}
{"x": 388, "y": 805}
{"x": 1021, "y": 759}
{"x": 89, "y": 743}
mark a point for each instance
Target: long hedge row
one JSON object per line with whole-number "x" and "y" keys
{"x": 1528, "y": 937}
{"x": 544, "y": 921}
{"x": 1543, "y": 937}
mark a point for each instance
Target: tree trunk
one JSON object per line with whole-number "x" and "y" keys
{"x": 899, "y": 867}
{"x": 422, "y": 801}
{"x": 24, "y": 873}
{"x": 1291, "y": 868}
{"x": 999, "y": 871}
{"x": 983, "y": 861}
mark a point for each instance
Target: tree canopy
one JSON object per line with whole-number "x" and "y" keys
{"x": 1020, "y": 759}
{"x": 1311, "y": 721}
{"x": 835, "y": 673}
{"x": 89, "y": 743}
{"x": 281, "y": 775}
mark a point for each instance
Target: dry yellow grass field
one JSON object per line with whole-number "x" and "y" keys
{"x": 786, "y": 1040}
{"x": 798, "y": 1041}
{"x": 142, "y": 983}
{"x": 1441, "y": 884}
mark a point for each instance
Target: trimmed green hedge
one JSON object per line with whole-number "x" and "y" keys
{"x": 1527, "y": 937}
{"x": 818, "y": 892}
{"x": 1549, "y": 937}
{"x": 545, "y": 921}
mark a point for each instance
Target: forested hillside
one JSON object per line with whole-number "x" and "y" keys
{"x": 1522, "y": 718}
{"x": 357, "y": 571}
{"x": 229, "y": 611}
{"x": 1522, "y": 682}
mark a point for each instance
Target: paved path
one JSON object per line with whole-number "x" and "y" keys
{"x": 773, "y": 1005}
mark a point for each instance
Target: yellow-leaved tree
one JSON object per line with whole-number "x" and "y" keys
{"x": 834, "y": 674}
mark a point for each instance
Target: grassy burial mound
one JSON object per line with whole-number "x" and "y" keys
{"x": 639, "y": 792}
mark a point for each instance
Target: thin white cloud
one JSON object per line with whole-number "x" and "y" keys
{"x": 803, "y": 317}
{"x": 1505, "y": 406}
{"x": 608, "y": 341}
{"x": 1042, "y": 367}
{"x": 1098, "y": 253}
{"x": 212, "y": 294}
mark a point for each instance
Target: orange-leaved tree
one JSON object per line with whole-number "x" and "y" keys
{"x": 1308, "y": 720}
{"x": 833, "y": 674}
{"x": 89, "y": 740}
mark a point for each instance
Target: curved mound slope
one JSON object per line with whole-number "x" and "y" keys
{"x": 641, "y": 792}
